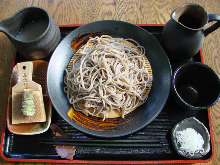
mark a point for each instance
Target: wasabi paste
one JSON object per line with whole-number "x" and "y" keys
{"x": 28, "y": 107}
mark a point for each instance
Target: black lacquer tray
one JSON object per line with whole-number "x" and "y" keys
{"x": 159, "y": 149}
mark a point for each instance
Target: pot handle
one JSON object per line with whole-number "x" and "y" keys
{"x": 212, "y": 17}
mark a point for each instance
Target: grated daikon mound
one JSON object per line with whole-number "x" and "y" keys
{"x": 190, "y": 141}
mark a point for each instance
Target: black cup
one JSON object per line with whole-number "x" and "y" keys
{"x": 195, "y": 86}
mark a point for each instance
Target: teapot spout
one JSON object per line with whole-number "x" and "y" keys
{"x": 3, "y": 27}
{"x": 9, "y": 27}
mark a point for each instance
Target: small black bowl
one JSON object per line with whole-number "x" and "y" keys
{"x": 195, "y": 86}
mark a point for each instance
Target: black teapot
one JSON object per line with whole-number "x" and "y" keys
{"x": 184, "y": 34}
{"x": 32, "y": 32}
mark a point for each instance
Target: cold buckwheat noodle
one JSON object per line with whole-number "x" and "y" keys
{"x": 108, "y": 74}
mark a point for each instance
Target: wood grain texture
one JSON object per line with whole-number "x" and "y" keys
{"x": 133, "y": 11}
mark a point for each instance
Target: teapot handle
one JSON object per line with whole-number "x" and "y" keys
{"x": 212, "y": 17}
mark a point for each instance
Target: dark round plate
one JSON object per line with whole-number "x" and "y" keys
{"x": 139, "y": 118}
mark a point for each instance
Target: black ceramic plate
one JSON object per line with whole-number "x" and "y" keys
{"x": 144, "y": 114}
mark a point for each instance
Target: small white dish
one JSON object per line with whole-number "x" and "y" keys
{"x": 199, "y": 127}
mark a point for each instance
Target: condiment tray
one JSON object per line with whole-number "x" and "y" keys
{"x": 157, "y": 150}
{"x": 39, "y": 75}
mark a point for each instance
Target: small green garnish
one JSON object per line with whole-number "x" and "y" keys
{"x": 28, "y": 107}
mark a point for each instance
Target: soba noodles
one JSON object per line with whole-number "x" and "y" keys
{"x": 107, "y": 75}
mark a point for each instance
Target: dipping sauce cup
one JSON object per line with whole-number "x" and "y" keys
{"x": 195, "y": 86}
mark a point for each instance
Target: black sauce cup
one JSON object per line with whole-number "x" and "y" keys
{"x": 195, "y": 86}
